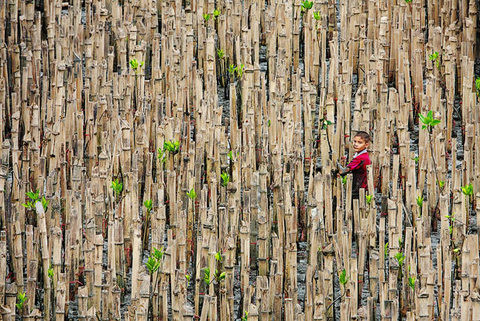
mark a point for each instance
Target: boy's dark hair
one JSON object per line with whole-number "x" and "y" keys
{"x": 363, "y": 135}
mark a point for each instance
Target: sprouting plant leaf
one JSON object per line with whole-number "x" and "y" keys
{"x": 344, "y": 180}
{"x": 230, "y": 155}
{"x": 306, "y": 5}
{"x": 324, "y": 123}
{"x": 148, "y": 205}
{"x": 216, "y": 13}
{"x": 441, "y": 184}
{"x": 411, "y": 282}
{"x": 456, "y": 250}
{"x": 158, "y": 253}
{"x": 192, "y": 195}
{"x": 231, "y": 69}
{"x": 188, "y": 277}
{"x": 477, "y": 86}
{"x": 220, "y": 53}
{"x": 34, "y": 196}
{"x": 206, "y": 275}
{"x": 420, "y": 201}
{"x": 206, "y": 17}
{"x": 245, "y": 316}
{"x": 225, "y": 178}
{"x": 135, "y": 64}
{"x": 434, "y": 57}
{"x": 369, "y": 199}
{"x": 117, "y": 187}
{"x": 316, "y": 15}
{"x": 152, "y": 265}
{"x": 239, "y": 70}
{"x": 416, "y": 159}
{"x": 385, "y": 249}
{"x": 342, "y": 277}
{"x": 428, "y": 121}
{"x": 21, "y": 298}
{"x": 450, "y": 229}
{"x": 50, "y": 272}
{"x": 408, "y": 1}
{"x": 269, "y": 123}
{"x": 222, "y": 276}
{"x": 171, "y": 146}
{"x": 218, "y": 256}
{"x": 400, "y": 258}
{"x": 467, "y": 190}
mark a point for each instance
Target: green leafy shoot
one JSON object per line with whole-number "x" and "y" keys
{"x": 221, "y": 276}
{"x": 400, "y": 258}
{"x": 344, "y": 180}
{"x": 441, "y": 184}
{"x": 324, "y": 123}
{"x": 161, "y": 155}
{"x": 157, "y": 254}
{"x": 148, "y": 205}
{"x": 154, "y": 260}
{"x": 225, "y": 178}
{"x": 220, "y": 53}
{"x": 218, "y": 256}
{"x": 239, "y": 70}
{"x": 307, "y": 5}
{"x": 206, "y": 17}
{"x": 477, "y": 86}
{"x": 171, "y": 146}
{"x": 416, "y": 159}
{"x": 428, "y": 121}
{"x": 50, "y": 272}
{"x": 269, "y": 123}
{"x": 34, "y": 197}
{"x": 192, "y": 195}
{"x": 369, "y": 199}
{"x": 450, "y": 229}
{"x": 411, "y": 282}
{"x": 467, "y": 190}
{"x": 456, "y": 250}
{"x": 420, "y": 201}
{"x": 245, "y": 316}
{"x": 231, "y": 69}
{"x": 434, "y": 57}
{"x": 216, "y": 13}
{"x": 342, "y": 277}
{"x": 385, "y": 249}
{"x": 188, "y": 277}
{"x": 21, "y": 298}
{"x": 117, "y": 187}
{"x": 316, "y": 15}
{"x": 230, "y": 155}
{"x": 206, "y": 276}
{"x": 135, "y": 64}
{"x": 408, "y": 1}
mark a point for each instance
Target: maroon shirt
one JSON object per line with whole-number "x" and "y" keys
{"x": 358, "y": 167}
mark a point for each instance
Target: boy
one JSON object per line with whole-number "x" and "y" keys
{"x": 358, "y": 165}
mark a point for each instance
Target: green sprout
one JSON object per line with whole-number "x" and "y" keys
{"x": 385, "y": 249}
{"x": 225, "y": 178}
{"x": 134, "y": 63}
{"x": 171, "y": 146}
{"x": 316, "y": 15}
{"x": 428, "y": 121}
{"x": 21, "y": 298}
{"x": 324, "y": 123}
{"x": 218, "y": 256}
{"x": 155, "y": 259}
{"x": 420, "y": 201}
{"x": 117, "y": 187}
{"x": 307, "y": 5}
{"x": 220, "y": 53}
{"x": 456, "y": 250}
{"x": 35, "y": 197}
{"x": 408, "y": 1}
{"x": 188, "y": 277}
{"x": 230, "y": 155}
{"x": 161, "y": 155}
{"x": 50, "y": 272}
{"x": 231, "y": 69}
{"x": 411, "y": 282}
{"x": 245, "y": 316}
{"x": 369, "y": 199}
{"x": 206, "y": 17}
{"x": 434, "y": 57}
{"x": 467, "y": 190}
{"x": 400, "y": 258}
{"x": 342, "y": 277}
{"x": 344, "y": 180}
{"x": 416, "y": 159}
{"x": 192, "y": 195}
{"x": 206, "y": 276}
{"x": 441, "y": 184}
{"x": 477, "y": 86}
{"x": 216, "y": 13}
{"x": 450, "y": 229}
{"x": 148, "y": 205}
{"x": 239, "y": 70}
{"x": 269, "y": 123}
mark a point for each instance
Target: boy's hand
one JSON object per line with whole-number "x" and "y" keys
{"x": 342, "y": 170}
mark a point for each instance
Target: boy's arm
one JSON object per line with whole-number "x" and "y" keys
{"x": 342, "y": 170}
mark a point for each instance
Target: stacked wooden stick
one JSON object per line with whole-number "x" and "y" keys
{"x": 171, "y": 159}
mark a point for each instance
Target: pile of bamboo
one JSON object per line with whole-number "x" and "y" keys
{"x": 183, "y": 150}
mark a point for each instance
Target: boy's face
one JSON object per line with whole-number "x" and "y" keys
{"x": 359, "y": 144}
